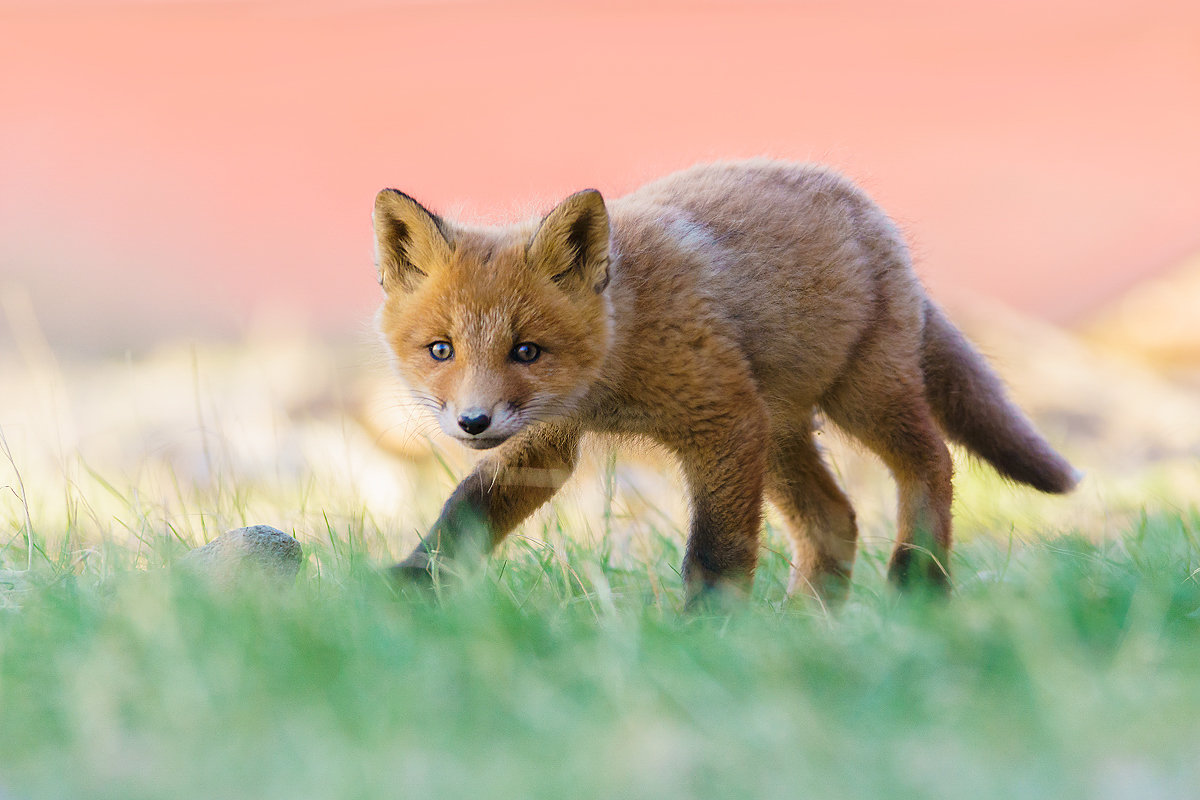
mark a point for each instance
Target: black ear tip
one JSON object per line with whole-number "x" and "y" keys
{"x": 387, "y": 196}
{"x": 590, "y": 199}
{"x": 393, "y": 193}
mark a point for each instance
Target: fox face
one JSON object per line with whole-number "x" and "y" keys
{"x": 494, "y": 329}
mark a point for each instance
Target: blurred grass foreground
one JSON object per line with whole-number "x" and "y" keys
{"x": 1067, "y": 664}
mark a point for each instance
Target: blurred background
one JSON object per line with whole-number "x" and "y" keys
{"x": 185, "y": 196}
{"x": 180, "y": 168}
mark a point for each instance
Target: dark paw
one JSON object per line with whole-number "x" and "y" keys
{"x": 407, "y": 574}
{"x": 710, "y": 595}
{"x": 412, "y": 578}
{"x": 829, "y": 590}
{"x": 913, "y": 570}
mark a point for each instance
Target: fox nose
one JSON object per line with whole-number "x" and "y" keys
{"x": 474, "y": 420}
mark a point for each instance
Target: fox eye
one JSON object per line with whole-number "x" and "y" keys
{"x": 441, "y": 351}
{"x": 526, "y": 352}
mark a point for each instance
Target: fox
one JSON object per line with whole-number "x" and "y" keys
{"x": 723, "y": 312}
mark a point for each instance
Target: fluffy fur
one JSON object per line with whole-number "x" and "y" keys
{"x": 714, "y": 311}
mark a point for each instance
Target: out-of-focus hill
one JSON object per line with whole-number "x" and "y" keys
{"x": 1104, "y": 402}
{"x": 1157, "y": 322}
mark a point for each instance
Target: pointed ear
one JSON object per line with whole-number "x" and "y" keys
{"x": 410, "y": 241}
{"x": 571, "y": 245}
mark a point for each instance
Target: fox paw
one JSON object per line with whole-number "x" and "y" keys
{"x": 912, "y": 570}
{"x": 411, "y": 578}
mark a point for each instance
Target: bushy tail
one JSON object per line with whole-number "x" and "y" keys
{"x": 972, "y": 406}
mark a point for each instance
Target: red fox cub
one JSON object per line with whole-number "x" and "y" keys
{"x": 713, "y": 311}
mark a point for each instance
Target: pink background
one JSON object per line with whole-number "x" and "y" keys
{"x": 185, "y": 168}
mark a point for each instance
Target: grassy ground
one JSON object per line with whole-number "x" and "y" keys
{"x": 1067, "y": 665}
{"x": 1062, "y": 668}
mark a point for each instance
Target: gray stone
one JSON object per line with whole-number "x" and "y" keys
{"x": 256, "y": 552}
{"x": 15, "y": 585}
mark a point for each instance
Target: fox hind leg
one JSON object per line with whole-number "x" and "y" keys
{"x": 820, "y": 520}
{"x": 893, "y": 418}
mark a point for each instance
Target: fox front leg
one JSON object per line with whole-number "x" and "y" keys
{"x": 725, "y": 468}
{"x": 504, "y": 488}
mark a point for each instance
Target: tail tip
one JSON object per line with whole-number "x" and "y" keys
{"x": 1075, "y": 477}
{"x": 1048, "y": 472}
{"x": 1063, "y": 481}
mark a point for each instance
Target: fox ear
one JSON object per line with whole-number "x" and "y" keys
{"x": 410, "y": 241}
{"x": 571, "y": 245}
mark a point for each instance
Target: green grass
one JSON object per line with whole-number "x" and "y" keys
{"x": 1062, "y": 668}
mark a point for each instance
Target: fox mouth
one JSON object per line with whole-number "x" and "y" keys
{"x": 481, "y": 442}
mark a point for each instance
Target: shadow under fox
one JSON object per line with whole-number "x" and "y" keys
{"x": 714, "y": 311}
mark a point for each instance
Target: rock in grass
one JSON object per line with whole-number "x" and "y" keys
{"x": 14, "y": 585}
{"x": 255, "y": 552}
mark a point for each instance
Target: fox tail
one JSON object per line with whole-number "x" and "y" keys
{"x": 971, "y": 405}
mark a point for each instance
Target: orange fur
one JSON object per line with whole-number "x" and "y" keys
{"x": 715, "y": 311}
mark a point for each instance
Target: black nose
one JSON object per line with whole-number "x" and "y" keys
{"x": 474, "y": 421}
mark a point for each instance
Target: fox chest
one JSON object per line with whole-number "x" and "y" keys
{"x": 612, "y": 416}
{"x": 653, "y": 415}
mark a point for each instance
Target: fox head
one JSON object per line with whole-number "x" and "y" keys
{"x": 494, "y": 329}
